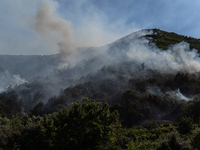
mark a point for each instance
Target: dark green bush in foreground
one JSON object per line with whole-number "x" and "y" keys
{"x": 83, "y": 126}
{"x": 185, "y": 125}
{"x": 174, "y": 142}
{"x": 90, "y": 125}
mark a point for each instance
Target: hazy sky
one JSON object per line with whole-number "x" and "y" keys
{"x": 93, "y": 22}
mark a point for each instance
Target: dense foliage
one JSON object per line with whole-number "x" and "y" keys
{"x": 90, "y": 125}
{"x": 83, "y": 126}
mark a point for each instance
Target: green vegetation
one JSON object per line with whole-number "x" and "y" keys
{"x": 90, "y": 125}
{"x": 174, "y": 141}
{"x": 83, "y": 126}
{"x": 185, "y": 125}
{"x": 164, "y": 39}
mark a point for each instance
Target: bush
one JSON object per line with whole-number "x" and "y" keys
{"x": 185, "y": 125}
{"x": 173, "y": 142}
{"x": 194, "y": 110}
{"x": 196, "y": 140}
{"x": 84, "y": 126}
{"x": 153, "y": 125}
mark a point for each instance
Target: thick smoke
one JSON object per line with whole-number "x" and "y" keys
{"x": 178, "y": 58}
{"x": 47, "y": 23}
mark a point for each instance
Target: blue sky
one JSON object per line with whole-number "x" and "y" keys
{"x": 94, "y": 22}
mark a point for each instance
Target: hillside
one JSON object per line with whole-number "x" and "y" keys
{"x": 131, "y": 63}
{"x": 139, "y": 88}
{"x": 132, "y": 68}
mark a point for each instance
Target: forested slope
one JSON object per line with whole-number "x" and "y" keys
{"x": 131, "y": 92}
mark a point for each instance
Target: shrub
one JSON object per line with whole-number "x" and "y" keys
{"x": 194, "y": 110}
{"x": 153, "y": 125}
{"x": 185, "y": 125}
{"x": 196, "y": 140}
{"x": 173, "y": 142}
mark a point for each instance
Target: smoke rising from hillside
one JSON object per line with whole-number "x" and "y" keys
{"x": 8, "y": 80}
{"x": 178, "y": 58}
{"x": 178, "y": 95}
{"x": 174, "y": 95}
{"x": 47, "y": 23}
{"x": 129, "y": 57}
{"x": 132, "y": 55}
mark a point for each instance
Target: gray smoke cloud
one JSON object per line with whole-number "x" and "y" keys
{"x": 47, "y": 23}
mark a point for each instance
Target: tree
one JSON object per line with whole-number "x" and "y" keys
{"x": 84, "y": 126}
{"x": 196, "y": 139}
{"x": 2, "y": 113}
{"x": 194, "y": 110}
{"x": 173, "y": 141}
{"x": 37, "y": 110}
{"x": 185, "y": 125}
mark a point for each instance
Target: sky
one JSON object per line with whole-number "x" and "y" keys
{"x": 88, "y": 22}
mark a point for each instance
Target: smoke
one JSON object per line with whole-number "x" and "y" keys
{"x": 8, "y": 80}
{"x": 88, "y": 30}
{"x": 178, "y": 57}
{"x": 141, "y": 55}
{"x": 175, "y": 95}
{"x": 128, "y": 57}
{"x": 132, "y": 54}
{"x": 178, "y": 95}
{"x": 47, "y": 23}
{"x": 154, "y": 90}
{"x": 181, "y": 96}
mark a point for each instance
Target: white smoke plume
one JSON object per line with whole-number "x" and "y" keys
{"x": 175, "y": 95}
{"x": 178, "y": 95}
{"x": 178, "y": 58}
{"x": 47, "y": 23}
{"x": 7, "y": 80}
